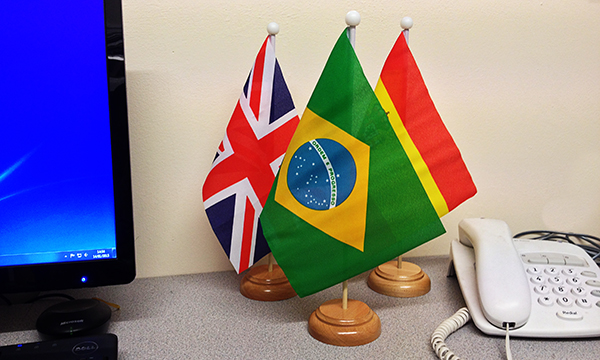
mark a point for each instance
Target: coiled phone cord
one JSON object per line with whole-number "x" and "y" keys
{"x": 446, "y": 328}
{"x": 449, "y": 326}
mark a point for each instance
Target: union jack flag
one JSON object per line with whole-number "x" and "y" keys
{"x": 248, "y": 159}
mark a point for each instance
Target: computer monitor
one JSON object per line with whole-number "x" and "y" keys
{"x": 66, "y": 218}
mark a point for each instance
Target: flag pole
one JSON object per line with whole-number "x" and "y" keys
{"x": 273, "y": 30}
{"x": 352, "y": 20}
{"x": 345, "y": 322}
{"x": 400, "y": 278}
{"x": 267, "y": 282}
{"x": 406, "y": 24}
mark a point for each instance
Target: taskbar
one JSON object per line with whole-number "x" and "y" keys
{"x": 57, "y": 257}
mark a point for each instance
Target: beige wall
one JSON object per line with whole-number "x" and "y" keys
{"x": 517, "y": 83}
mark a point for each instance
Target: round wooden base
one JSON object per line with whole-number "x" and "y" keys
{"x": 408, "y": 281}
{"x": 260, "y": 284}
{"x": 357, "y": 325}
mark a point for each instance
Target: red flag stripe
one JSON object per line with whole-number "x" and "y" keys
{"x": 247, "y": 236}
{"x": 257, "y": 78}
{"x": 425, "y": 126}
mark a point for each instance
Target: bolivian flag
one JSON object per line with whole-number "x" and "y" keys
{"x": 430, "y": 148}
{"x": 347, "y": 197}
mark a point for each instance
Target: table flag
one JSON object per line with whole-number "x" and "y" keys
{"x": 247, "y": 160}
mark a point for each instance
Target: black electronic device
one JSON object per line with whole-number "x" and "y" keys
{"x": 96, "y": 347}
{"x": 66, "y": 218}
{"x": 74, "y": 318}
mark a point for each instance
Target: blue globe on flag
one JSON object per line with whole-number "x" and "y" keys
{"x": 321, "y": 174}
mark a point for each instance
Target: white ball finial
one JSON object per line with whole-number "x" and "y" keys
{"x": 352, "y": 18}
{"x": 406, "y": 22}
{"x": 273, "y": 28}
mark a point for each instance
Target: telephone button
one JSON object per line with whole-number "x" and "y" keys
{"x": 574, "y": 281}
{"x": 574, "y": 260}
{"x": 541, "y": 289}
{"x": 589, "y": 274}
{"x": 555, "y": 259}
{"x": 584, "y": 303}
{"x": 595, "y": 293}
{"x": 569, "y": 272}
{"x": 569, "y": 315}
{"x": 559, "y": 290}
{"x": 594, "y": 283}
{"x": 545, "y": 300}
{"x": 537, "y": 280}
{"x": 579, "y": 291}
{"x": 535, "y": 258}
{"x": 556, "y": 280}
{"x": 534, "y": 270}
{"x": 565, "y": 301}
{"x": 551, "y": 271}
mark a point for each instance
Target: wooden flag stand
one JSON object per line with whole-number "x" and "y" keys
{"x": 344, "y": 322}
{"x": 266, "y": 283}
{"x": 400, "y": 279}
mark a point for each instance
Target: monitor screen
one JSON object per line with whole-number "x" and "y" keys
{"x": 65, "y": 187}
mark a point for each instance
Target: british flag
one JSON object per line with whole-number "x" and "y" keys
{"x": 248, "y": 159}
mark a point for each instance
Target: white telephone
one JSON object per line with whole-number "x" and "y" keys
{"x": 537, "y": 288}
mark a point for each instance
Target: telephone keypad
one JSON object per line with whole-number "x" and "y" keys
{"x": 567, "y": 287}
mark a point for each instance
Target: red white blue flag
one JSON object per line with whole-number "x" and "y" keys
{"x": 248, "y": 159}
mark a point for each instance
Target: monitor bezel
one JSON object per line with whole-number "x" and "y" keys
{"x": 69, "y": 275}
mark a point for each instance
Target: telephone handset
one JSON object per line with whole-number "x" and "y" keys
{"x": 535, "y": 288}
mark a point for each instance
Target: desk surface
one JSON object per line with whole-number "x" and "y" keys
{"x": 204, "y": 316}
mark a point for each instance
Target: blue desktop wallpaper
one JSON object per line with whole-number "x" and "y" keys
{"x": 56, "y": 189}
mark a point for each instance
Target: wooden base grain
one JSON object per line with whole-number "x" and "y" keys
{"x": 353, "y": 326}
{"x": 262, "y": 285}
{"x": 407, "y": 281}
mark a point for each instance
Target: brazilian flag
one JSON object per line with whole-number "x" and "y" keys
{"x": 346, "y": 198}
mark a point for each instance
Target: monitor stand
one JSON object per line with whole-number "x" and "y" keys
{"x": 21, "y": 298}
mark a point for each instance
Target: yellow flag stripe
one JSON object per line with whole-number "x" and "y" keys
{"x": 421, "y": 168}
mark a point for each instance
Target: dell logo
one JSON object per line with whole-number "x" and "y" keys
{"x": 84, "y": 348}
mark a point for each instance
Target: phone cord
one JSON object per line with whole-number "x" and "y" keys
{"x": 507, "y": 345}
{"x": 446, "y": 328}
{"x": 449, "y": 326}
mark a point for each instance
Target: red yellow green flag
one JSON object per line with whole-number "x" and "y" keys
{"x": 428, "y": 144}
{"x": 346, "y": 197}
